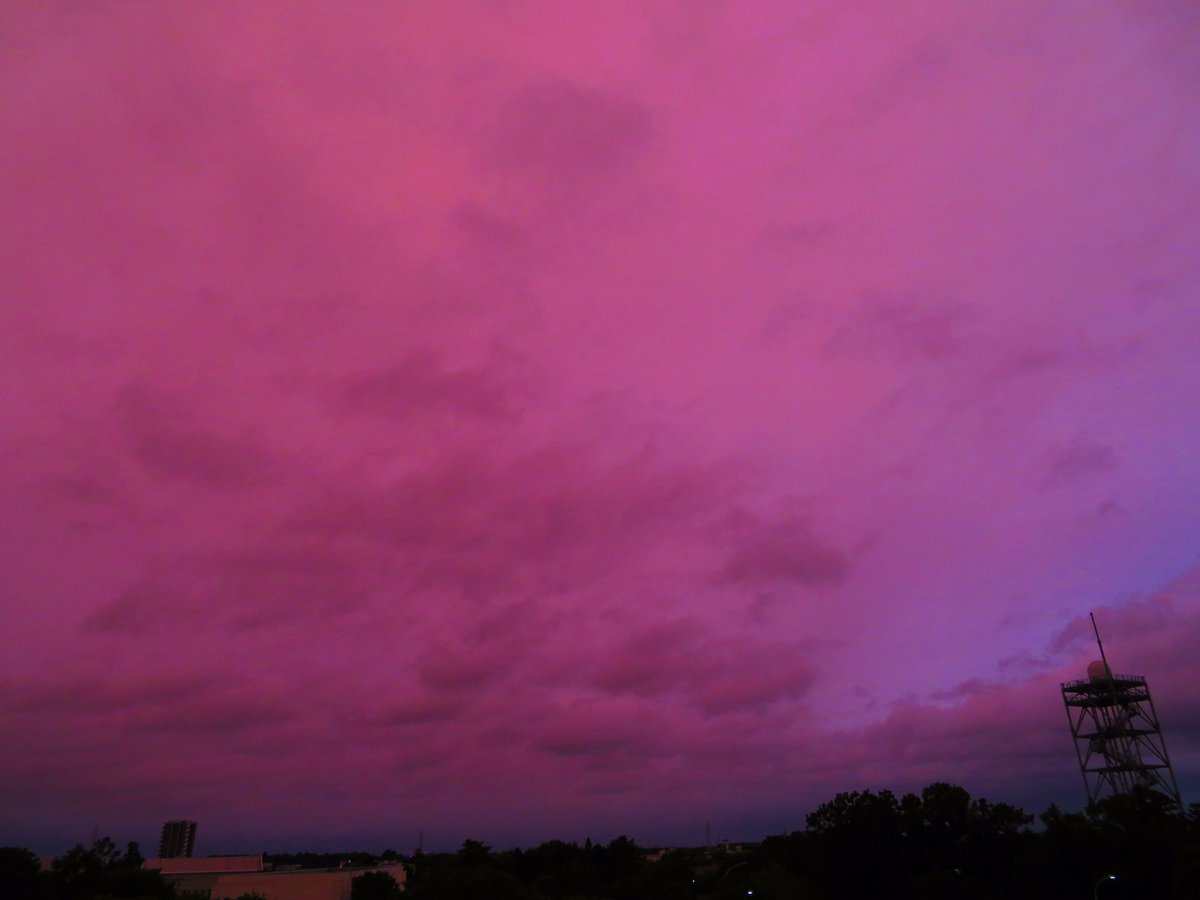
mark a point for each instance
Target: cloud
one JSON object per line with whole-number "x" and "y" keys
{"x": 449, "y": 671}
{"x": 904, "y": 328}
{"x": 995, "y": 734}
{"x": 483, "y": 525}
{"x": 421, "y": 710}
{"x": 607, "y": 737}
{"x": 717, "y": 673}
{"x": 420, "y": 386}
{"x": 560, "y": 131}
{"x": 94, "y": 694}
{"x": 253, "y": 587}
{"x": 167, "y": 443}
{"x": 134, "y": 612}
{"x": 1078, "y": 459}
{"x": 489, "y": 230}
{"x": 779, "y": 550}
{"x": 221, "y": 717}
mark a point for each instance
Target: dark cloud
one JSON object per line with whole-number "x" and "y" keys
{"x": 779, "y": 550}
{"x": 421, "y": 710}
{"x": 801, "y": 235}
{"x": 589, "y": 738}
{"x": 1029, "y": 362}
{"x": 716, "y": 673}
{"x": 556, "y": 129}
{"x": 904, "y": 328}
{"x": 907, "y": 78}
{"x": 486, "y": 524}
{"x": 489, "y": 230}
{"x": 167, "y": 442}
{"x": 450, "y": 671}
{"x": 995, "y": 732}
{"x": 264, "y": 585}
{"x": 276, "y": 580}
{"x": 91, "y": 489}
{"x": 420, "y": 386}
{"x": 1054, "y": 356}
{"x": 781, "y": 320}
{"x": 1080, "y": 458}
{"x": 602, "y": 736}
{"x": 99, "y": 693}
{"x": 218, "y": 717}
{"x": 134, "y": 612}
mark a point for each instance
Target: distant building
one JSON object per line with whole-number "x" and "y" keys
{"x": 178, "y": 839}
{"x": 206, "y": 865}
{"x": 218, "y": 877}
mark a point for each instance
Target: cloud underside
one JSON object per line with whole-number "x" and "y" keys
{"x": 648, "y": 716}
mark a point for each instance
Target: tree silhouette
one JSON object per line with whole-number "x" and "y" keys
{"x": 374, "y": 886}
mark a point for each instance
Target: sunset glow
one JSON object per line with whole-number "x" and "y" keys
{"x": 539, "y": 419}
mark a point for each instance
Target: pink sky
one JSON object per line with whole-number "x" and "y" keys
{"x": 528, "y": 420}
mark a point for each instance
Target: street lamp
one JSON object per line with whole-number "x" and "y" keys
{"x": 1096, "y": 888}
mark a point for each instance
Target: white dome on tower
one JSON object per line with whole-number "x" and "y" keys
{"x": 1097, "y": 671}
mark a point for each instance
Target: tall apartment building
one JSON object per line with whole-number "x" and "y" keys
{"x": 178, "y": 839}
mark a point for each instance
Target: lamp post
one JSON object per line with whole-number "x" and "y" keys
{"x": 1096, "y": 887}
{"x": 738, "y": 866}
{"x": 735, "y": 866}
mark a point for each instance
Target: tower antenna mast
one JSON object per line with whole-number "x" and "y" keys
{"x": 1100, "y": 644}
{"x": 1118, "y": 740}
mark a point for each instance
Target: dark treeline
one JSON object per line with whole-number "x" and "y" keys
{"x": 309, "y": 860}
{"x": 82, "y": 873}
{"x": 939, "y": 844}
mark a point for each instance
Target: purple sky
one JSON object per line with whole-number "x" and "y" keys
{"x": 518, "y": 420}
